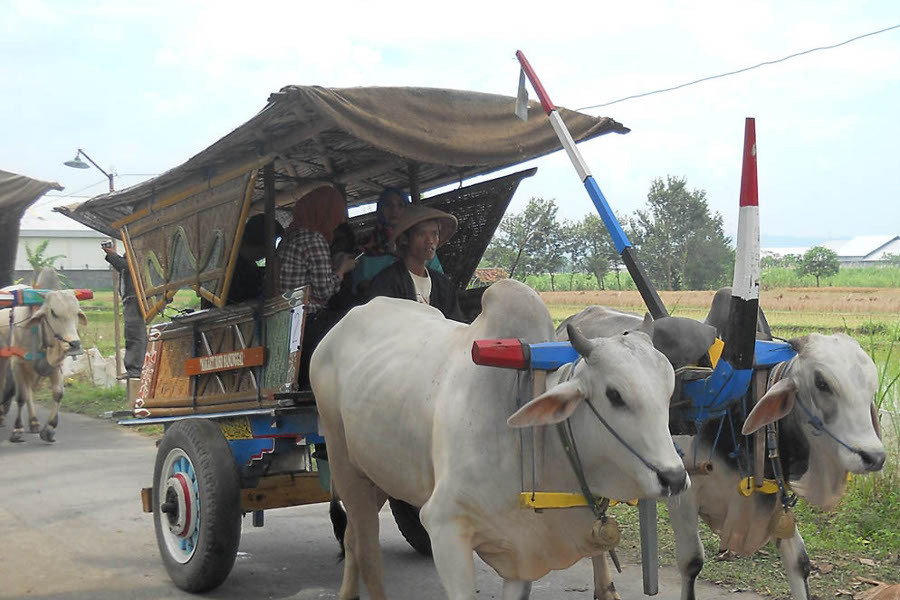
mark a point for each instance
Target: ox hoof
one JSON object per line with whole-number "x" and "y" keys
{"x": 34, "y": 426}
{"x": 17, "y": 436}
{"x": 2, "y": 420}
{"x": 609, "y": 594}
{"x": 48, "y": 434}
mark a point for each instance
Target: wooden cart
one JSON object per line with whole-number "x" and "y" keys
{"x": 240, "y": 437}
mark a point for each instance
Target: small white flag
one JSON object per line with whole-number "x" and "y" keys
{"x": 522, "y": 98}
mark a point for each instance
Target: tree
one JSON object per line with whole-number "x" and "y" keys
{"x": 892, "y": 260}
{"x": 600, "y": 253}
{"x": 819, "y": 261}
{"x": 681, "y": 245}
{"x": 527, "y": 242}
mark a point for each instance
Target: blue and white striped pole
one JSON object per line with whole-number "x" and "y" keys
{"x": 646, "y": 508}
{"x": 620, "y": 239}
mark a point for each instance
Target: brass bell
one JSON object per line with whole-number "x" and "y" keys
{"x": 785, "y": 524}
{"x": 605, "y": 533}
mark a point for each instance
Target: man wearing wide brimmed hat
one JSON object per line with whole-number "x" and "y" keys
{"x": 418, "y": 235}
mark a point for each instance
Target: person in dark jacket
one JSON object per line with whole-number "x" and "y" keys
{"x": 135, "y": 328}
{"x": 418, "y": 235}
{"x": 248, "y": 279}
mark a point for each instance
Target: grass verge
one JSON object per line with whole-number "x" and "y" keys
{"x": 84, "y": 399}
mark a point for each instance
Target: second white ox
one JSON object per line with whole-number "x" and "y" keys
{"x": 406, "y": 413}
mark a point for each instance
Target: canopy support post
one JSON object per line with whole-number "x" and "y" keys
{"x": 271, "y": 268}
{"x": 413, "y": 171}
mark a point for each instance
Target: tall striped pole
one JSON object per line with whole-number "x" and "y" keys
{"x": 740, "y": 336}
{"x": 620, "y": 239}
{"x": 646, "y": 508}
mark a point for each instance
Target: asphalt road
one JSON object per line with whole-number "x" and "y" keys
{"x": 71, "y": 527}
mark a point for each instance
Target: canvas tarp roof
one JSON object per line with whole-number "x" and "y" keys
{"x": 17, "y": 193}
{"x": 363, "y": 140}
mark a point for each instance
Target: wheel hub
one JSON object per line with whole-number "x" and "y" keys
{"x": 180, "y": 506}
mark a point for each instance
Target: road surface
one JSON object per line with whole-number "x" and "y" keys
{"x": 71, "y": 527}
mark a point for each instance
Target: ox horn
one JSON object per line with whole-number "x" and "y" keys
{"x": 581, "y": 344}
{"x": 799, "y": 343}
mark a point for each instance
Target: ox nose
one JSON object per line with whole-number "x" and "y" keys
{"x": 673, "y": 481}
{"x": 872, "y": 461}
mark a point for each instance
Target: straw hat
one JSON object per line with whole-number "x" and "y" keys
{"x": 414, "y": 214}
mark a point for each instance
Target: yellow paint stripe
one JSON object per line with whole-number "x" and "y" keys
{"x": 541, "y": 500}
{"x": 715, "y": 352}
{"x": 747, "y": 486}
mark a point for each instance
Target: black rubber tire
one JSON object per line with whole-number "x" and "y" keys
{"x": 219, "y": 499}
{"x": 407, "y": 518}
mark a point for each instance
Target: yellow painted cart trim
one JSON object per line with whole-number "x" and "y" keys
{"x": 541, "y": 500}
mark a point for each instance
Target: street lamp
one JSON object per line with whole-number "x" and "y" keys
{"x": 77, "y": 163}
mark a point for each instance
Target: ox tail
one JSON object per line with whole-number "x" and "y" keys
{"x": 338, "y": 520}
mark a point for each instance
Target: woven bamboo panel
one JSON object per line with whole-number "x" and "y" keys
{"x": 278, "y": 331}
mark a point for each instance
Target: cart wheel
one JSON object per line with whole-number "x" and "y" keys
{"x": 196, "y": 505}
{"x": 407, "y": 518}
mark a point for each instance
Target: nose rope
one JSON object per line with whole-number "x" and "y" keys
{"x": 816, "y": 422}
{"x": 56, "y": 336}
{"x": 609, "y": 427}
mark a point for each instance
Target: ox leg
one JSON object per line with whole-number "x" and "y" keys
{"x": 516, "y": 590}
{"x": 23, "y": 387}
{"x": 796, "y": 564}
{"x": 361, "y": 499}
{"x": 350, "y": 582}
{"x": 604, "y": 588}
{"x": 48, "y": 433}
{"x": 684, "y": 515}
{"x": 451, "y": 547}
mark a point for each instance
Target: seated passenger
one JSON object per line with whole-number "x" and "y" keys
{"x": 248, "y": 279}
{"x": 418, "y": 234}
{"x": 305, "y": 259}
{"x": 380, "y": 250}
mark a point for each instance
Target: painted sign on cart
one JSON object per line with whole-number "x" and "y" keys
{"x": 226, "y": 361}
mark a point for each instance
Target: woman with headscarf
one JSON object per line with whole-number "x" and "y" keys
{"x": 305, "y": 258}
{"x": 381, "y": 252}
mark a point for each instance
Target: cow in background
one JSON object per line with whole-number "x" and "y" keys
{"x": 398, "y": 370}
{"x": 836, "y": 381}
{"x": 50, "y": 333}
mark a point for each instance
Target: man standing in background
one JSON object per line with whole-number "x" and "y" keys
{"x": 135, "y": 329}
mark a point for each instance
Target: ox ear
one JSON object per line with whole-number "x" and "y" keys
{"x": 876, "y": 423}
{"x": 777, "y": 403}
{"x": 82, "y": 318}
{"x": 36, "y": 316}
{"x": 581, "y": 344}
{"x": 555, "y": 405}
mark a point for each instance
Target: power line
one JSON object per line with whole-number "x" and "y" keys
{"x": 745, "y": 69}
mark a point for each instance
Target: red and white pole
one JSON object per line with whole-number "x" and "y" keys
{"x": 740, "y": 337}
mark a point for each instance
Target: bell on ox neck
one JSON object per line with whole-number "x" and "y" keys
{"x": 605, "y": 533}
{"x": 785, "y": 524}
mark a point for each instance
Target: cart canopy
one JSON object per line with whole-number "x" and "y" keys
{"x": 17, "y": 193}
{"x": 183, "y": 228}
{"x": 361, "y": 139}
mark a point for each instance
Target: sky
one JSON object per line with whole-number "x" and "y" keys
{"x": 143, "y": 86}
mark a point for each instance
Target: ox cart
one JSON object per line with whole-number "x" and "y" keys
{"x": 240, "y": 436}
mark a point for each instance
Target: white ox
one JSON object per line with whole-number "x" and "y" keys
{"x": 836, "y": 381}
{"x": 406, "y": 413}
{"x": 49, "y": 333}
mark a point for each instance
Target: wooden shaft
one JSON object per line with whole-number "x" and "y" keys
{"x": 271, "y": 267}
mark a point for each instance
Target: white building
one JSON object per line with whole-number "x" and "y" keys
{"x": 859, "y": 251}
{"x": 864, "y": 250}
{"x": 81, "y": 257}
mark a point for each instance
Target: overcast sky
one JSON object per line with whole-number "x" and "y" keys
{"x": 144, "y": 86}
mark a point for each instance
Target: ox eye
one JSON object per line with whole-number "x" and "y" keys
{"x": 53, "y": 313}
{"x": 615, "y": 398}
{"x": 821, "y": 384}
